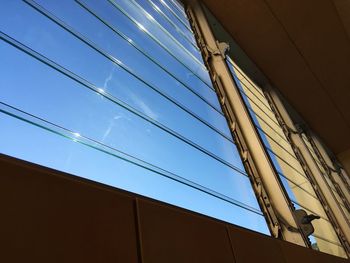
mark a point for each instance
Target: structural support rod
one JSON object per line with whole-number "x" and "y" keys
{"x": 329, "y": 201}
{"x": 334, "y": 172}
{"x": 232, "y": 101}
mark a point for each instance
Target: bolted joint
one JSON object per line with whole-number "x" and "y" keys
{"x": 221, "y": 49}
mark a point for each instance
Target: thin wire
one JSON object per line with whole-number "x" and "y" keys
{"x": 253, "y": 102}
{"x": 242, "y": 91}
{"x": 282, "y": 147}
{"x": 280, "y": 158}
{"x": 243, "y": 74}
{"x": 115, "y": 100}
{"x": 138, "y": 48}
{"x": 265, "y": 103}
{"x": 262, "y": 97}
{"x": 255, "y": 113}
{"x": 267, "y": 124}
{"x": 297, "y": 185}
{"x": 120, "y": 64}
{"x": 76, "y": 137}
{"x": 270, "y": 150}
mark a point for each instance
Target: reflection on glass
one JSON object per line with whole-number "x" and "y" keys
{"x": 291, "y": 173}
{"x": 181, "y": 29}
{"x": 117, "y": 92}
{"x": 168, "y": 30}
{"x": 155, "y": 32}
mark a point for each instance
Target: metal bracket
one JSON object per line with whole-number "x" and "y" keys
{"x": 245, "y": 156}
{"x": 233, "y": 127}
{"x": 286, "y": 224}
{"x": 304, "y": 221}
{"x": 300, "y": 128}
{"x": 221, "y": 50}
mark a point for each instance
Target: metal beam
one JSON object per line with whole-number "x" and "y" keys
{"x": 325, "y": 194}
{"x": 335, "y": 174}
{"x": 273, "y": 198}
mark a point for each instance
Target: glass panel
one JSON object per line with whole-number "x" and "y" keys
{"x": 142, "y": 21}
{"x": 112, "y": 79}
{"x": 98, "y": 118}
{"x": 168, "y": 28}
{"x": 292, "y": 176}
{"x": 115, "y": 19}
{"x": 119, "y": 102}
{"x": 177, "y": 14}
{"x": 31, "y": 143}
{"x": 180, "y": 27}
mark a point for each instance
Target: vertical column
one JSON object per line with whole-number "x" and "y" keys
{"x": 319, "y": 183}
{"x": 268, "y": 188}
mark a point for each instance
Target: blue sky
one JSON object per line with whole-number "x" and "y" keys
{"x": 150, "y": 65}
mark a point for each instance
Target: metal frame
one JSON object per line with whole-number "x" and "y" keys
{"x": 333, "y": 167}
{"x": 271, "y": 195}
{"x": 332, "y": 173}
{"x": 321, "y": 187}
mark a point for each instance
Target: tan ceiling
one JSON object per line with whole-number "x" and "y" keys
{"x": 303, "y": 47}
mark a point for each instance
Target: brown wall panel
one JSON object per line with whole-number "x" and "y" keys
{"x": 49, "y": 218}
{"x": 173, "y": 235}
{"x": 320, "y": 38}
{"x": 253, "y": 247}
{"x": 293, "y": 253}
